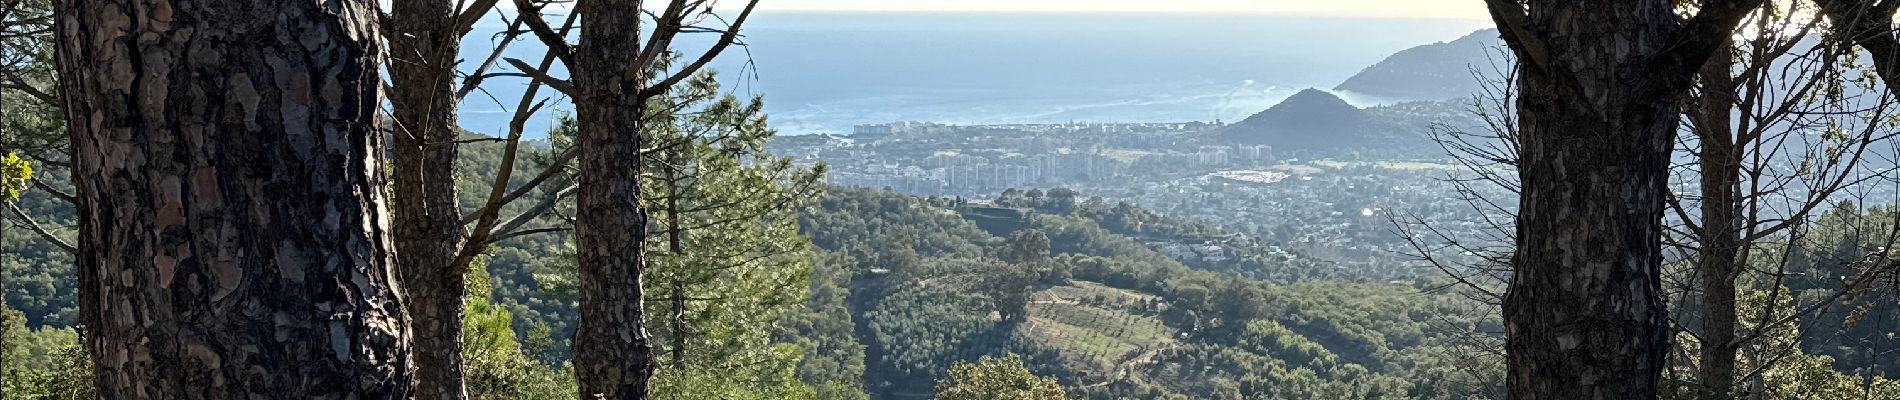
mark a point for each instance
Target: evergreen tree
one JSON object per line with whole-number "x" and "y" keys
{"x": 496, "y": 365}
{"x": 1601, "y": 90}
{"x": 1027, "y": 247}
{"x": 1026, "y": 253}
{"x": 996, "y": 378}
{"x": 833, "y": 359}
{"x": 196, "y": 266}
{"x": 424, "y": 37}
{"x": 46, "y": 363}
{"x": 613, "y": 80}
{"x": 725, "y": 256}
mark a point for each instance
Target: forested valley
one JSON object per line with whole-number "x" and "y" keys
{"x": 1691, "y": 200}
{"x": 882, "y": 293}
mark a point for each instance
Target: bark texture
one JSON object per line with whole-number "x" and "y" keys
{"x": 613, "y": 355}
{"x": 234, "y": 239}
{"x": 1602, "y": 81}
{"x": 1720, "y": 255}
{"x": 424, "y": 40}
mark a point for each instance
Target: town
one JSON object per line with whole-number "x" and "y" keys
{"x": 1336, "y": 206}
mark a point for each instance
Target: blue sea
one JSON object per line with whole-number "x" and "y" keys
{"x": 824, "y": 72}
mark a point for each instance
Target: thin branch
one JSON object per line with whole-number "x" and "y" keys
{"x": 542, "y": 207}
{"x": 1868, "y": 23}
{"x": 512, "y": 235}
{"x": 1710, "y": 29}
{"x": 725, "y": 40}
{"x": 49, "y": 189}
{"x": 662, "y": 39}
{"x": 554, "y": 168}
{"x": 1514, "y": 27}
{"x": 475, "y": 78}
{"x": 23, "y": 220}
{"x": 542, "y": 77}
{"x": 14, "y": 82}
{"x": 556, "y": 42}
{"x": 466, "y": 21}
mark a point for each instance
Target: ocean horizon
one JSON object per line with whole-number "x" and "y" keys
{"x": 823, "y": 72}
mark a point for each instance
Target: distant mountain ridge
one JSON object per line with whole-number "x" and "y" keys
{"x": 1435, "y": 71}
{"x": 1312, "y": 118}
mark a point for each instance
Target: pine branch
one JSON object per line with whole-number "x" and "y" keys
{"x": 21, "y": 219}
{"x": 725, "y": 40}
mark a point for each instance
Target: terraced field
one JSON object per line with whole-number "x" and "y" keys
{"x": 1099, "y": 330}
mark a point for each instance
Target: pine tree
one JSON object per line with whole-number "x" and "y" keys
{"x": 234, "y": 235}
{"x": 497, "y": 366}
{"x": 725, "y": 257}
{"x": 1599, "y": 107}
{"x": 424, "y": 38}
{"x": 996, "y": 378}
{"x": 611, "y": 86}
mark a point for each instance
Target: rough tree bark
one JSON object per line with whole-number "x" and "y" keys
{"x": 233, "y": 236}
{"x": 1721, "y": 244}
{"x": 613, "y": 353}
{"x": 1584, "y": 315}
{"x": 613, "y": 357}
{"x": 424, "y": 42}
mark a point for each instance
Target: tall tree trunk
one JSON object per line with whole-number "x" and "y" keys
{"x": 424, "y": 43}
{"x": 678, "y": 320}
{"x": 1721, "y": 229}
{"x": 1602, "y": 79}
{"x": 233, "y": 232}
{"x": 4, "y": 323}
{"x": 613, "y": 356}
{"x": 676, "y": 246}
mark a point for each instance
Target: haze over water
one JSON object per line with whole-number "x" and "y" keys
{"x": 822, "y": 72}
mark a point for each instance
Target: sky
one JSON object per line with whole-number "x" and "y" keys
{"x": 1464, "y": 9}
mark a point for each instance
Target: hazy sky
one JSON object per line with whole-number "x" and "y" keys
{"x": 1354, "y": 8}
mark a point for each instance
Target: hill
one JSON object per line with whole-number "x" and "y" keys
{"x": 1310, "y": 119}
{"x": 1103, "y": 312}
{"x": 1435, "y": 71}
{"x": 905, "y": 286}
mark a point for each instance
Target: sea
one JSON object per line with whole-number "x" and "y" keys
{"x": 825, "y": 72}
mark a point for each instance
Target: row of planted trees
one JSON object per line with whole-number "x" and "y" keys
{"x": 262, "y": 212}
